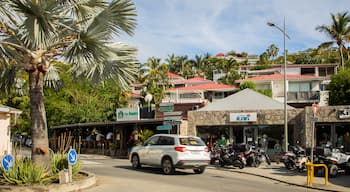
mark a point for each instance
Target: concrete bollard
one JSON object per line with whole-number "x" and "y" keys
{"x": 63, "y": 176}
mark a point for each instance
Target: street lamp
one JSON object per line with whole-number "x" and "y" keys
{"x": 284, "y": 81}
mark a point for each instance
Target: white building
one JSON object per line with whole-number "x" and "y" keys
{"x": 6, "y": 113}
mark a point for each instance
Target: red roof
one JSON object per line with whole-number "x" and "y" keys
{"x": 280, "y": 77}
{"x": 135, "y": 95}
{"x": 207, "y": 87}
{"x": 220, "y": 55}
{"x": 173, "y": 75}
{"x": 194, "y": 80}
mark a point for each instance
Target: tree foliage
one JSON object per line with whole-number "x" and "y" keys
{"x": 339, "y": 88}
{"x": 339, "y": 33}
{"x": 35, "y": 34}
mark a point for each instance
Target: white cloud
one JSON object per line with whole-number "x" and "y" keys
{"x": 199, "y": 26}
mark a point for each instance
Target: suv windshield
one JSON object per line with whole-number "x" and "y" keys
{"x": 191, "y": 141}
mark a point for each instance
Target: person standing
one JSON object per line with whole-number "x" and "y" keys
{"x": 129, "y": 144}
{"x": 347, "y": 142}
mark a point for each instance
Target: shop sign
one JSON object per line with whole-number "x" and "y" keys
{"x": 344, "y": 114}
{"x": 128, "y": 114}
{"x": 243, "y": 117}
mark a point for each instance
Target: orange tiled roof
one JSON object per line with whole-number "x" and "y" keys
{"x": 173, "y": 75}
{"x": 135, "y": 95}
{"x": 194, "y": 80}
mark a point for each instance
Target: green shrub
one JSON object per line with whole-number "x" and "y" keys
{"x": 59, "y": 162}
{"x": 25, "y": 172}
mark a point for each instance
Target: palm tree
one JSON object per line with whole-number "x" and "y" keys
{"x": 272, "y": 51}
{"x": 198, "y": 63}
{"x": 338, "y": 31}
{"x": 172, "y": 62}
{"x": 36, "y": 33}
{"x": 156, "y": 80}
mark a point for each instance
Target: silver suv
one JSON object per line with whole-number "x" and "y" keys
{"x": 171, "y": 151}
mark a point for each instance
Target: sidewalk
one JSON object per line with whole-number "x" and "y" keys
{"x": 279, "y": 173}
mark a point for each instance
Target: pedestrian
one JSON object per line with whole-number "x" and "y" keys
{"x": 129, "y": 144}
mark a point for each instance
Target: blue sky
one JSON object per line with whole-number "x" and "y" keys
{"x": 196, "y": 27}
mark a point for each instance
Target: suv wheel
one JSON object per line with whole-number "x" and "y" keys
{"x": 135, "y": 161}
{"x": 167, "y": 166}
{"x": 199, "y": 170}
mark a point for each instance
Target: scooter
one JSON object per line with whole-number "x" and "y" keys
{"x": 263, "y": 156}
{"x": 295, "y": 158}
{"x": 229, "y": 157}
{"x": 335, "y": 160}
{"x": 215, "y": 153}
{"x": 251, "y": 156}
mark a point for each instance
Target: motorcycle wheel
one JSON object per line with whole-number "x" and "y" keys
{"x": 268, "y": 161}
{"x": 289, "y": 165}
{"x": 241, "y": 165}
{"x": 302, "y": 168}
{"x": 257, "y": 163}
{"x": 222, "y": 164}
{"x": 333, "y": 170}
{"x": 319, "y": 171}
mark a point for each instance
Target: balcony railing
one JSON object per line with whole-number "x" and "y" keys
{"x": 305, "y": 96}
{"x": 184, "y": 100}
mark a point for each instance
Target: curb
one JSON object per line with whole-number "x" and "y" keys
{"x": 271, "y": 178}
{"x": 74, "y": 186}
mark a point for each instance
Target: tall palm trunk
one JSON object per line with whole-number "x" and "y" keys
{"x": 40, "y": 147}
{"x": 341, "y": 55}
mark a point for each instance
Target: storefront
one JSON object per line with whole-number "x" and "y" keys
{"x": 248, "y": 116}
{"x": 332, "y": 126}
{"x": 245, "y": 117}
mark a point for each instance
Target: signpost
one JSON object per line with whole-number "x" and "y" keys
{"x": 166, "y": 107}
{"x": 164, "y": 127}
{"x": 7, "y": 162}
{"x": 313, "y": 120}
{"x": 72, "y": 159}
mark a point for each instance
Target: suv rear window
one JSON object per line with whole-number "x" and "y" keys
{"x": 191, "y": 141}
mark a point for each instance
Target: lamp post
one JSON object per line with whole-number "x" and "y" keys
{"x": 284, "y": 81}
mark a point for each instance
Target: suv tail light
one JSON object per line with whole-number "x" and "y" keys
{"x": 180, "y": 148}
{"x": 206, "y": 149}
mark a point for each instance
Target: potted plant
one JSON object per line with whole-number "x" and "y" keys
{"x": 112, "y": 148}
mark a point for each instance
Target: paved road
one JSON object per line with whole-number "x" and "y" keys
{"x": 117, "y": 175}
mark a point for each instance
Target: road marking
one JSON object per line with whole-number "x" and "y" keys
{"x": 85, "y": 162}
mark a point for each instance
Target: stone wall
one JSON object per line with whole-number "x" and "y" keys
{"x": 326, "y": 114}
{"x": 264, "y": 117}
{"x": 299, "y": 118}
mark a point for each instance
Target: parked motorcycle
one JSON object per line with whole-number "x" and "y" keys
{"x": 255, "y": 156}
{"x": 263, "y": 156}
{"x": 251, "y": 155}
{"x": 295, "y": 158}
{"x": 335, "y": 160}
{"x": 215, "y": 153}
{"x": 229, "y": 156}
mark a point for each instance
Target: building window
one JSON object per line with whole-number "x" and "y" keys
{"x": 299, "y": 86}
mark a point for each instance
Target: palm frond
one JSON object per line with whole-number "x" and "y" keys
{"x": 86, "y": 51}
{"x": 7, "y": 79}
{"x": 121, "y": 66}
{"x": 41, "y": 21}
{"x": 83, "y": 10}
{"x": 118, "y": 17}
{"x": 52, "y": 78}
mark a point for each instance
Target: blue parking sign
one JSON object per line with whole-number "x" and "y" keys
{"x": 72, "y": 156}
{"x": 7, "y": 162}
